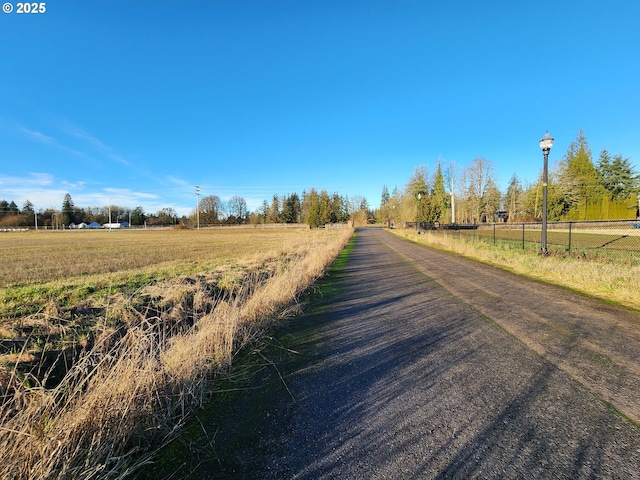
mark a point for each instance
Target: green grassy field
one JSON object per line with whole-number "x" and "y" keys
{"x": 615, "y": 243}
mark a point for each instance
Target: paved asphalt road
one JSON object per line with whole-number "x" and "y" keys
{"x": 428, "y": 365}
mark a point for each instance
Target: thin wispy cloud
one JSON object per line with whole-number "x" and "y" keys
{"x": 95, "y": 143}
{"x": 49, "y": 140}
{"x": 74, "y": 185}
{"x": 32, "y": 180}
{"x": 179, "y": 182}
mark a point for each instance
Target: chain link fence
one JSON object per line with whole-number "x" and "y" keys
{"x": 602, "y": 240}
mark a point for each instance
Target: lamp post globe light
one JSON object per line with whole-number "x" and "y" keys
{"x": 545, "y": 144}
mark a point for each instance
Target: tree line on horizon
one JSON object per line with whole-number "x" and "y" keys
{"x": 313, "y": 208}
{"x": 578, "y": 189}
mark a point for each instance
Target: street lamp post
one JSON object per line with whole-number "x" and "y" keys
{"x": 545, "y": 144}
{"x": 418, "y": 225}
{"x": 110, "y": 198}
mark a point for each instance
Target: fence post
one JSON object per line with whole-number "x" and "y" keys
{"x": 523, "y": 236}
{"x": 494, "y": 234}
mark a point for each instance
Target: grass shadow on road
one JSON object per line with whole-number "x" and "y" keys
{"x": 389, "y": 376}
{"x": 433, "y": 389}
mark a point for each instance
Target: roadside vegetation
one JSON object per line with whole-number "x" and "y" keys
{"x": 579, "y": 188}
{"x": 110, "y": 340}
{"x": 612, "y": 281}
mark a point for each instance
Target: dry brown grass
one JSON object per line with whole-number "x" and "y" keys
{"x": 610, "y": 281}
{"x": 152, "y": 359}
{"x": 37, "y": 257}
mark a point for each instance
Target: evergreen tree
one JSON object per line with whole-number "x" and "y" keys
{"x": 27, "y": 215}
{"x": 339, "y": 208}
{"x": 68, "y": 210}
{"x": 28, "y": 207}
{"x": 604, "y": 168}
{"x": 512, "y": 199}
{"x": 418, "y": 185}
{"x": 291, "y": 209}
{"x": 138, "y": 216}
{"x": 312, "y": 207}
{"x": 491, "y": 200}
{"x": 579, "y": 179}
{"x": 264, "y": 211}
{"x": 326, "y": 212}
{"x": 439, "y": 198}
{"x": 274, "y": 210}
{"x": 617, "y": 176}
{"x": 385, "y": 197}
{"x": 13, "y": 208}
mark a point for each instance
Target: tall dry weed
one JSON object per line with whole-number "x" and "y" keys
{"x": 149, "y": 369}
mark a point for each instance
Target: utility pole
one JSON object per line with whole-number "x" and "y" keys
{"x": 453, "y": 204}
{"x": 198, "y": 206}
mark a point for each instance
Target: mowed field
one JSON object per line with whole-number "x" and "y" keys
{"x": 67, "y": 266}
{"x": 110, "y": 339}
{"x": 618, "y": 243}
{"x": 36, "y": 257}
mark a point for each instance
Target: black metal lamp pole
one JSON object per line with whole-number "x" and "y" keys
{"x": 545, "y": 144}
{"x": 418, "y": 226}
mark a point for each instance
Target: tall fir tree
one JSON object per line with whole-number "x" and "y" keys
{"x": 312, "y": 208}
{"x": 68, "y": 210}
{"x": 385, "y": 197}
{"x": 578, "y": 175}
{"x": 512, "y": 199}
{"x": 439, "y": 198}
{"x": 617, "y": 176}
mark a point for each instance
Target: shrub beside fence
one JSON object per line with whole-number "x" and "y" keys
{"x": 610, "y": 240}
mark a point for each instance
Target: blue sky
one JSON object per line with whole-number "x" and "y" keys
{"x": 139, "y": 101}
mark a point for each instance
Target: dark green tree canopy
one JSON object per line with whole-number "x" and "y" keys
{"x": 617, "y": 176}
{"x": 68, "y": 210}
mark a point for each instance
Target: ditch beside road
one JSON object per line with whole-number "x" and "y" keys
{"x": 416, "y": 363}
